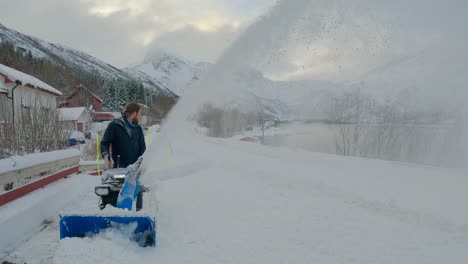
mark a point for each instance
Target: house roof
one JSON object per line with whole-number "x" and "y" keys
{"x": 26, "y": 80}
{"x": 97, "y": 97}
{"x": 99, "y": 116}
{"x": 71, "y": 114}
{"x": 3, "y": 91}
{"x": 82, "y": 87}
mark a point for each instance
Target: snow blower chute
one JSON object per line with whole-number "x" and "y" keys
{"x": 121, "y": 189}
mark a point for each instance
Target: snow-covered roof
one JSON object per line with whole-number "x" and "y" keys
{"x": 25, "y": 79}
{"x": 71, "y": 114}
{"x": 97, "y": 97}
{"x": 2, "y": 90}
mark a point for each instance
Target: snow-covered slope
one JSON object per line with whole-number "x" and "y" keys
{"x": 58, "y": 53}
{"x": 62, "y": 55}
{"x": 149, "y": 81}
{"x": 171, "y": 71}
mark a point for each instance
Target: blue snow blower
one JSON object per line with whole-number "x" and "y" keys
{"x": 121, "y": 189}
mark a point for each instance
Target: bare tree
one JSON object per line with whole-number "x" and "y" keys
{"x": 6, "y": 129}
{"x": 36, "y": 129}
{"x": 224, "y": 122}
{"x": 385, "y": 130}
{"x": 350, "y": 113}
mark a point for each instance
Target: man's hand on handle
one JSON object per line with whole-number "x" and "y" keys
{"x": 106, "y": 157}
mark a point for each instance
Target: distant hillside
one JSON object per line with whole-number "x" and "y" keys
{"x": 60, "y": 66}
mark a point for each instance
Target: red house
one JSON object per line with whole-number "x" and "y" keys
{"x": 82, "y": 97}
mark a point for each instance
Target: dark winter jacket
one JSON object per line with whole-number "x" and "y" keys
{"x": 127, "y": 141}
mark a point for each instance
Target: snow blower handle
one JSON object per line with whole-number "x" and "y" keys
{"x": 106, "y": 157}
{"x": 130, "y": 188}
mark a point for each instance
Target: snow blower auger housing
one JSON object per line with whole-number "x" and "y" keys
{"x": 120, "y": 188}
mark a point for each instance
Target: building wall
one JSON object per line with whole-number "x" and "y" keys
{"x": 29, "y": 99}
{"x": 5, "y": 103}
{"x": 82, "y": 124}
{"x": 75, "y": 101}
{"x": 68, "y": 125}
{"x": 25, "y": 96}
{"x": 5, "y": 109}
{"x": 97, "y": 105}
{"x": 85, "y": 99}
{"x": 84, "y": 119}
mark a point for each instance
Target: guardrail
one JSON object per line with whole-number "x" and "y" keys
{"x": 26, "y": 178}
{"x": 92, "y": 166}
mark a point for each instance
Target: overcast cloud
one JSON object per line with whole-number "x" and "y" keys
{"x": 120, "y": 32}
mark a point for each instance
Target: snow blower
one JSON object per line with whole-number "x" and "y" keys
{"x": 120, "y": 188}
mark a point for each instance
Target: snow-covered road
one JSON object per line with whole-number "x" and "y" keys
{"x": 33, "y": 215}
{"x": 226, "y": 201}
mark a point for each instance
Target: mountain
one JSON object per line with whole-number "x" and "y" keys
{"x": 68, "y": 63}
{"x": 58, "y": 53}
{"x": 168, "y": 71}
{"x": 288, "y": 100}
{"x": 148, "y": 81}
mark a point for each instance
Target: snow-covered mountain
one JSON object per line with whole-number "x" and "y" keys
{"x": 62, "y": 55}
{"x": 58, "y": 53}
{"x": 169, "y": 71}
{"x": 149, "y": 82}
{"x": 288, "y": 100}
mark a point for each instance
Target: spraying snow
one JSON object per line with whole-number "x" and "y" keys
{"x": 393, "y": 70}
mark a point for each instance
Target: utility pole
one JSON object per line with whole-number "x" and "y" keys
{"x": 263, "y": 125}
{"x": 261, "y": 117}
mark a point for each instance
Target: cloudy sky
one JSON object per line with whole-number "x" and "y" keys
{"x": 337, "y": 40}
{"x": 120, "y": 32}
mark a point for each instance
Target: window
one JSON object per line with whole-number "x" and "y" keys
{"x": 26, "y": 113}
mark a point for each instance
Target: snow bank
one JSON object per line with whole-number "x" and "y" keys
{"x": 21, "y": 162}
{"x": 24, "y": 218}
{"x": 91, "y": 162}
{"x": 106, "y": 247}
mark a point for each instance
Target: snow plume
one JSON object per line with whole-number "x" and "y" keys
{"x": 401, "y": 59}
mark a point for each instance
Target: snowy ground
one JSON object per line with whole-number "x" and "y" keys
{"x": 226, "y": 201}
{"x": 36, "y": 215}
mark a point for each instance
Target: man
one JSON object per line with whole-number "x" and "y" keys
{"x": 126, "y": 138}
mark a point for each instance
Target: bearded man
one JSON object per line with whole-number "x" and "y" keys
{"x": 124, "y": 140}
